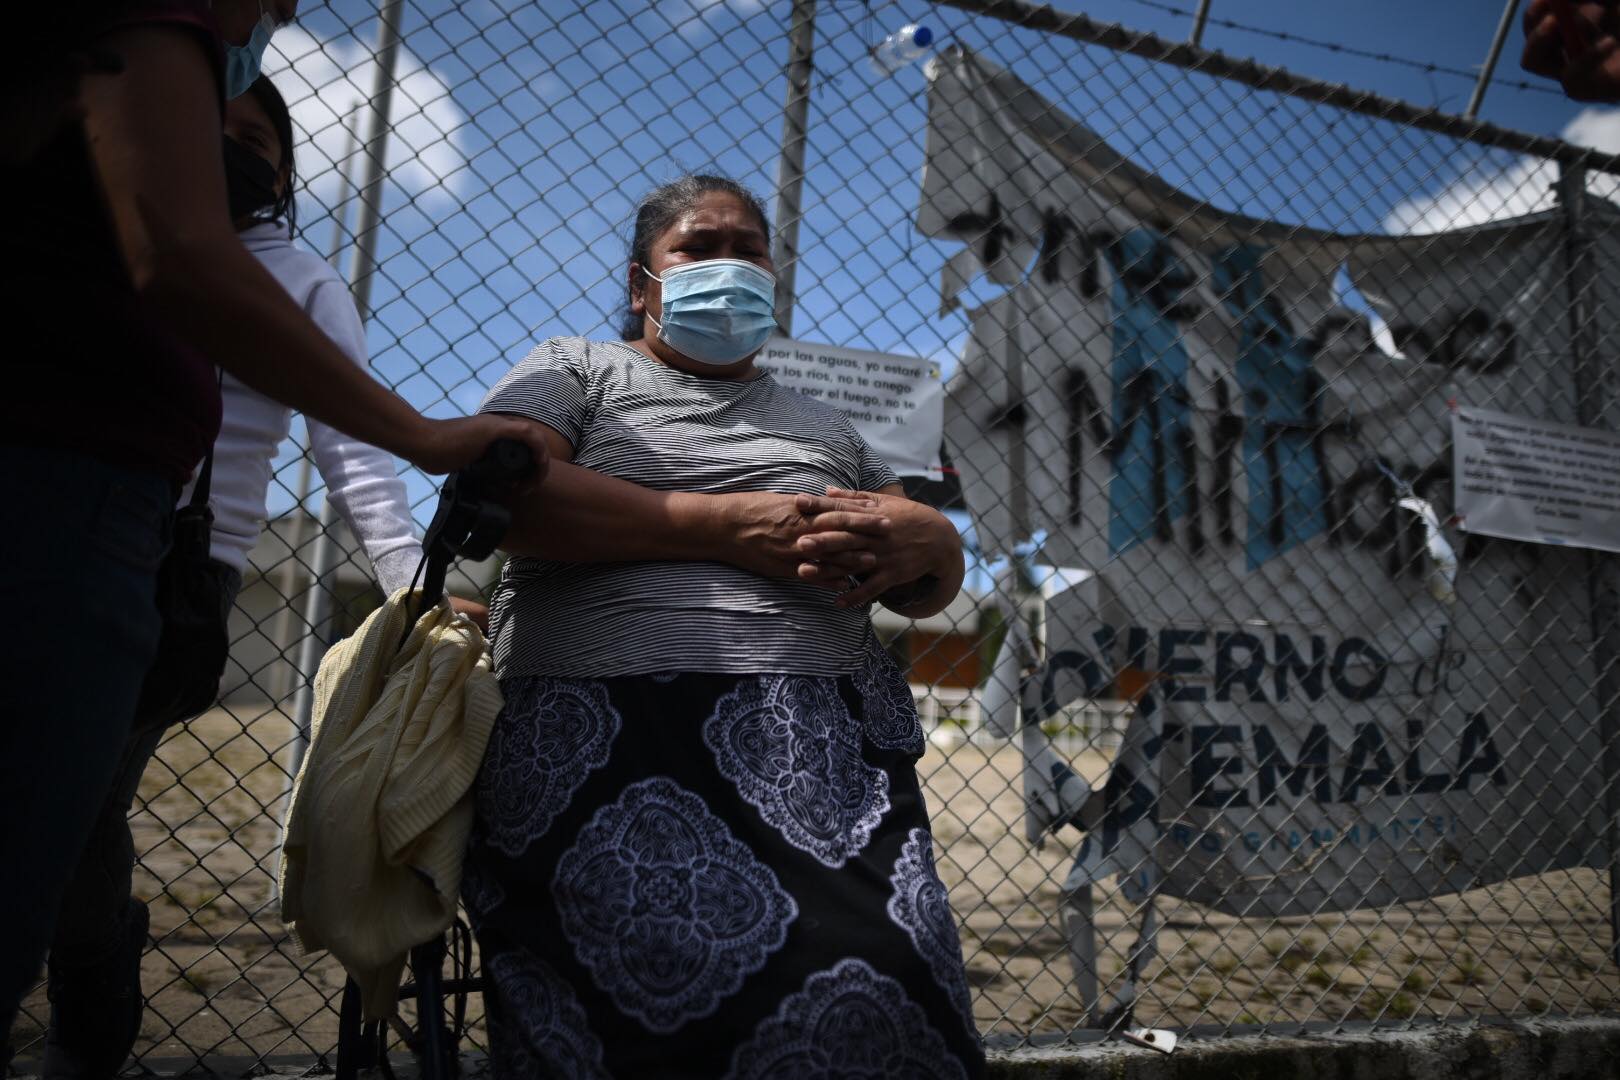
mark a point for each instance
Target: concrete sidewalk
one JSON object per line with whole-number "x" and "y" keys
{"x": 1585, "y": 1049}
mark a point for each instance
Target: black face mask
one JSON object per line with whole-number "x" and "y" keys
{"x": 250, "y": 181}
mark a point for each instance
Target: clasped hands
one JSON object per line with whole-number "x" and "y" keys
{"x": 862, "y": 545}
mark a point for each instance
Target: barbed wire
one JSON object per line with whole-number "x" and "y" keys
{"x": 1427, "y": 66}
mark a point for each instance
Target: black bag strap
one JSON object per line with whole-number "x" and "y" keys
{"x": 205, "y": 475}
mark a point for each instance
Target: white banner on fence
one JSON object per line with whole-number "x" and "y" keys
{"x": 1525, "y": 479}
{"x": 895, "y": 402}
{"x": 1174, "y": 397}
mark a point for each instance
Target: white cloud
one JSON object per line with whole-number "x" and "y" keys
{"x": 325, "y": 81}
{"x": 1524, "y": 187}
{"x": 691, "y": 18}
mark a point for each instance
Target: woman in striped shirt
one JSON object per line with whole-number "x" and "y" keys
{"x": 701, "y": 848}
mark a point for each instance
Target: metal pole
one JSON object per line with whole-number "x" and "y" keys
{"x": 340, "y": 211}
{"x": 290, "y": 575}
{"x": 318, "y": 608}
{"x": 1602, "y": 593}
{"x": 295, "y": 541}
{"x": 1280, "y": 81}
{"x": 790, "y": 168}
{"x": 317, "y": 616}
{"x": 1018, "y": 433}
{"x": 382, "y": 100}
{"x": 1200, "y": 18}
{"x": 1495, "y": 54}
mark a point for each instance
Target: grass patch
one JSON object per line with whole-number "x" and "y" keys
{"x": 200, "y": 982}
{"x": 1402, "y": 1005}
{"x": 1375, "y": 1004}
{"x": 1573, "y": 960}
{"x": 1359, "y": 955}
{"x": 1296, "y": 956}
{"x": 1467, "y": 970}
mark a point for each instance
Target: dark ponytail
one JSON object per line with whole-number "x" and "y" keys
{"x": 275, "y": 107}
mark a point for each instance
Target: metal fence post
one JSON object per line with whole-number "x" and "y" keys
{"x": 1200, "y": 20}
{"x": 382, "y": 103}
{"x": 790, "y": 167}
{"x": 295, "y": 542}
{"x": 318, "y": 608}
{"x": 1590, "y": 402}
{"x": 1017, "y": 427}
{"x": 1489, "y": 67}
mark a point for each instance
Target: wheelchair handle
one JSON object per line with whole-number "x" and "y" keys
{"x": 504, "y": 464}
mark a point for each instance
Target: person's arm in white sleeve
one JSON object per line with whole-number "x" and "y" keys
{"x": 362, "y": 481}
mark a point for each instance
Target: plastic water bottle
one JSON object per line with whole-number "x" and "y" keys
{"x": 901, "y": 48}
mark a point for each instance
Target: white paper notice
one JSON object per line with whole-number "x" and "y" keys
{"x": 1524, "y": 479}
{"x": 897, "y": 403}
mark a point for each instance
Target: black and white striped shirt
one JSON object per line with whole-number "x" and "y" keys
{"x": 631, "y": 417}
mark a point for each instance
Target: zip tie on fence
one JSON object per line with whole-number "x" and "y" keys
{"x": 1403, "y": 488}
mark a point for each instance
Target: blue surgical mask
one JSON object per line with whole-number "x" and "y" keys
{"x": 718, "y": 311}
{"x": 242, "y": 62}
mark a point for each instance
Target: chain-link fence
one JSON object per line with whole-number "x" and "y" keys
{"x": 1294, "y": 750}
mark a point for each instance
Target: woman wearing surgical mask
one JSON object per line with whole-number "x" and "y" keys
{"x": 129, "y": 283}
{"x": 700, "y": 846}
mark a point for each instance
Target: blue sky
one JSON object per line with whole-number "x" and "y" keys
{"x": 526, "y": 131}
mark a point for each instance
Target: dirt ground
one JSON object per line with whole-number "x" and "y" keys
{"x": 223, "y": 978}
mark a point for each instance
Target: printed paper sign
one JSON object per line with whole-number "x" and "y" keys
{"x": 1525, "y": 479}
{"x": 895, "y": 402}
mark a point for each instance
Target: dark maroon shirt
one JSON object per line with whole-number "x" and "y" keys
{"x": 86, "y": 367}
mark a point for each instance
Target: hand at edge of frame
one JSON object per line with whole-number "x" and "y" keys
{"x": 443, "y": 446}
{"x": 1577, "y": 43}
{"x": 476, "y": 610}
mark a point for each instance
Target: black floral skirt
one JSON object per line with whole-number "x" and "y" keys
{"x": 691, "y": 875}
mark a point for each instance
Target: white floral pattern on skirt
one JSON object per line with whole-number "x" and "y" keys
{"x": 921, "y": 907}
{"x": 793, "y": 750}
{"x": 552, "y": 733}
{"x": 888, "y": 710}
{"x": 480, "y": 892}
{"x": 665, "y": 907}
{"x": 849, "y": 1023}
{"x": 542, "y": 1029}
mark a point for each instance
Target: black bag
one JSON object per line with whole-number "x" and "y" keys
{"x": 194, "y": 596}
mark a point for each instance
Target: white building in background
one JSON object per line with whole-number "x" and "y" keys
{"x": 267, "y": 625}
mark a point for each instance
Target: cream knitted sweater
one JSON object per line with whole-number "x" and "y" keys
{"x": 382, "y": 806}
